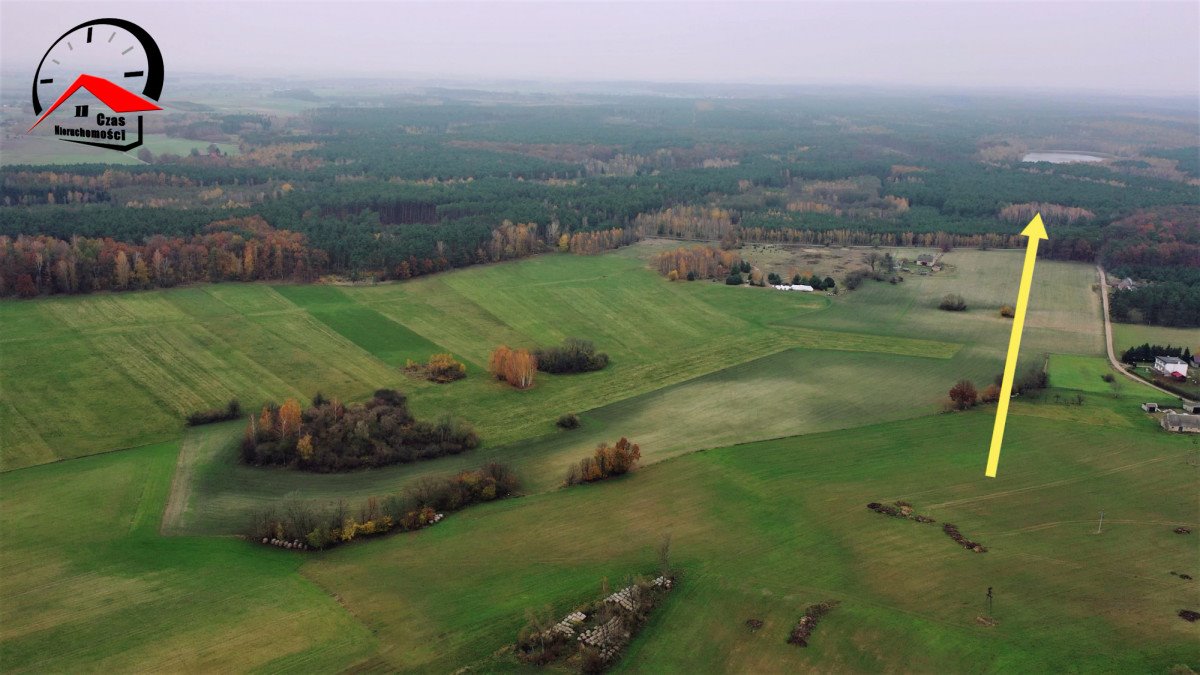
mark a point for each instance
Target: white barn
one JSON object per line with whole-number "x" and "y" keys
{"x": 794, "y": 287}
{"x": 1170, "y": 365}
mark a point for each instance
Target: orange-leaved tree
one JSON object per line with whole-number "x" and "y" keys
{"x": 514, "y": 366}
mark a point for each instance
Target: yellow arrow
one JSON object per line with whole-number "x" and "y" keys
{"x": 1036, "y": 231}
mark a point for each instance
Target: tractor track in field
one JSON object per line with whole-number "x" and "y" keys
{"x": 1050, "y": 484}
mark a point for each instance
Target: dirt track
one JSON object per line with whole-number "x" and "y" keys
{"x": 1108, "y": 340}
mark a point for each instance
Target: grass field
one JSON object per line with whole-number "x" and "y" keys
{"x": 161, "y": 354}
{"x": 767, "y": 422}
{"x": 88, "y": 582}
{"x": 762, "y": 530}
{"x": 1126, "y": 335}
{"x": 50, "y": 150}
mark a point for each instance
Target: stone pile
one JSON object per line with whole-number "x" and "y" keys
{"x": 1183, "y": 530}
{"x": 626, "y": 597}
{"x": 808, "y": 623}
{"x": 567, "y": 626}
{"x": 899, "y": 510}
{"x": 284, "y": 543}
{"x": 606, "y": 637}
{"x": 951, "y": 531}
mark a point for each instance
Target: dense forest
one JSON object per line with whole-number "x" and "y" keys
{"x": 385, "y": 186}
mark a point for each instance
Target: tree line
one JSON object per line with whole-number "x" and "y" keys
{"x": 1146, "y": 352}
{"x": 309, "y": 526}
{"x": 40, "y": 265}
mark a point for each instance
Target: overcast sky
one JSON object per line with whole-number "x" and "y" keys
{"x": 1121, "y": 47}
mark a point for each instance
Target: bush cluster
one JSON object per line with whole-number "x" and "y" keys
{"x": 568, "y": 421}
{"x": 574, "y": 356}
{"x": 419, "y": 506}
{"x": 1032, "y": 379}
{"x": 231, "y": 411}
{"x": 442, "y": 368}
{"x": 605, "y": 462}
{"x": 953, "y": 302}
{"x": 331, "y": 436}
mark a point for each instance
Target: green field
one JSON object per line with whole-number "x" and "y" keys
{"x": 767, "y": 421}
{"x": 49, "y": 150}
{"x": 1126, "y": 335}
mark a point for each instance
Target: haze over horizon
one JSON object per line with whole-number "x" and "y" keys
{"x": 1111, "y": 47}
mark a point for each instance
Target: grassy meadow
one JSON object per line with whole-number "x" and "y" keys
{"x": 1126, "y": 335}
{"x": 767, "y": 421}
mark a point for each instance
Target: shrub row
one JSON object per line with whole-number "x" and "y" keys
{"x": 419, "y": 506}
{"x": 605, "y": 462}
{"x": 231, "y": 411}
{"x": 574, "y": 356}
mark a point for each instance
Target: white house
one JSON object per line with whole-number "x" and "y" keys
{"x": 1170, "y": 365}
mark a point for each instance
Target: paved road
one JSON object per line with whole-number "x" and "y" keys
{"x": 1108, "y": 340}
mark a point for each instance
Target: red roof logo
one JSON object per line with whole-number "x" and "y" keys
{"x": 116, "y": 98}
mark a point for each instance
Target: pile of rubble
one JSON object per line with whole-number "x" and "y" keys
{"x": 284, "y": 543}
{"x": 951, "y": 530}
{"x": 567, "y": 626}
{"x": 901, "y": 509}
{"x": 626, "y": 598}
{"x": 609, "y": 636}
{"x": 808, "y": 623}
{"x": 1183, "y": 530}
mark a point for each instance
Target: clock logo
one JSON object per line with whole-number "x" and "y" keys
{"x": 118, "y": 64}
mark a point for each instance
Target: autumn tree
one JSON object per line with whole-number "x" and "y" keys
{"x": 605, "y": 462}
{"x": 121, "y": 270}
{"x": 515, "y": 366}
{"x": 963, "y": 394}
{"x": 289, "y": 419}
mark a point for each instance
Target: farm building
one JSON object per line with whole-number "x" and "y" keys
{"x": 794, "y": 287}
{"x": 1191, "y": 406}
{"x": 1126, "y": 284}
{"x": 1150, "y": 407}
{"x": 1170, "y": 365}
{"x": 1188, "y": 424}
{"x": 925, "y": 260}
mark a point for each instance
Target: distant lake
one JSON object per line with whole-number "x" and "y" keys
{"x": 1060, "y": 157}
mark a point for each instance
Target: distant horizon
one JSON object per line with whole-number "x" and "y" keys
{"x": 555, "y": 85}
{"x": 1114, "y": 48}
